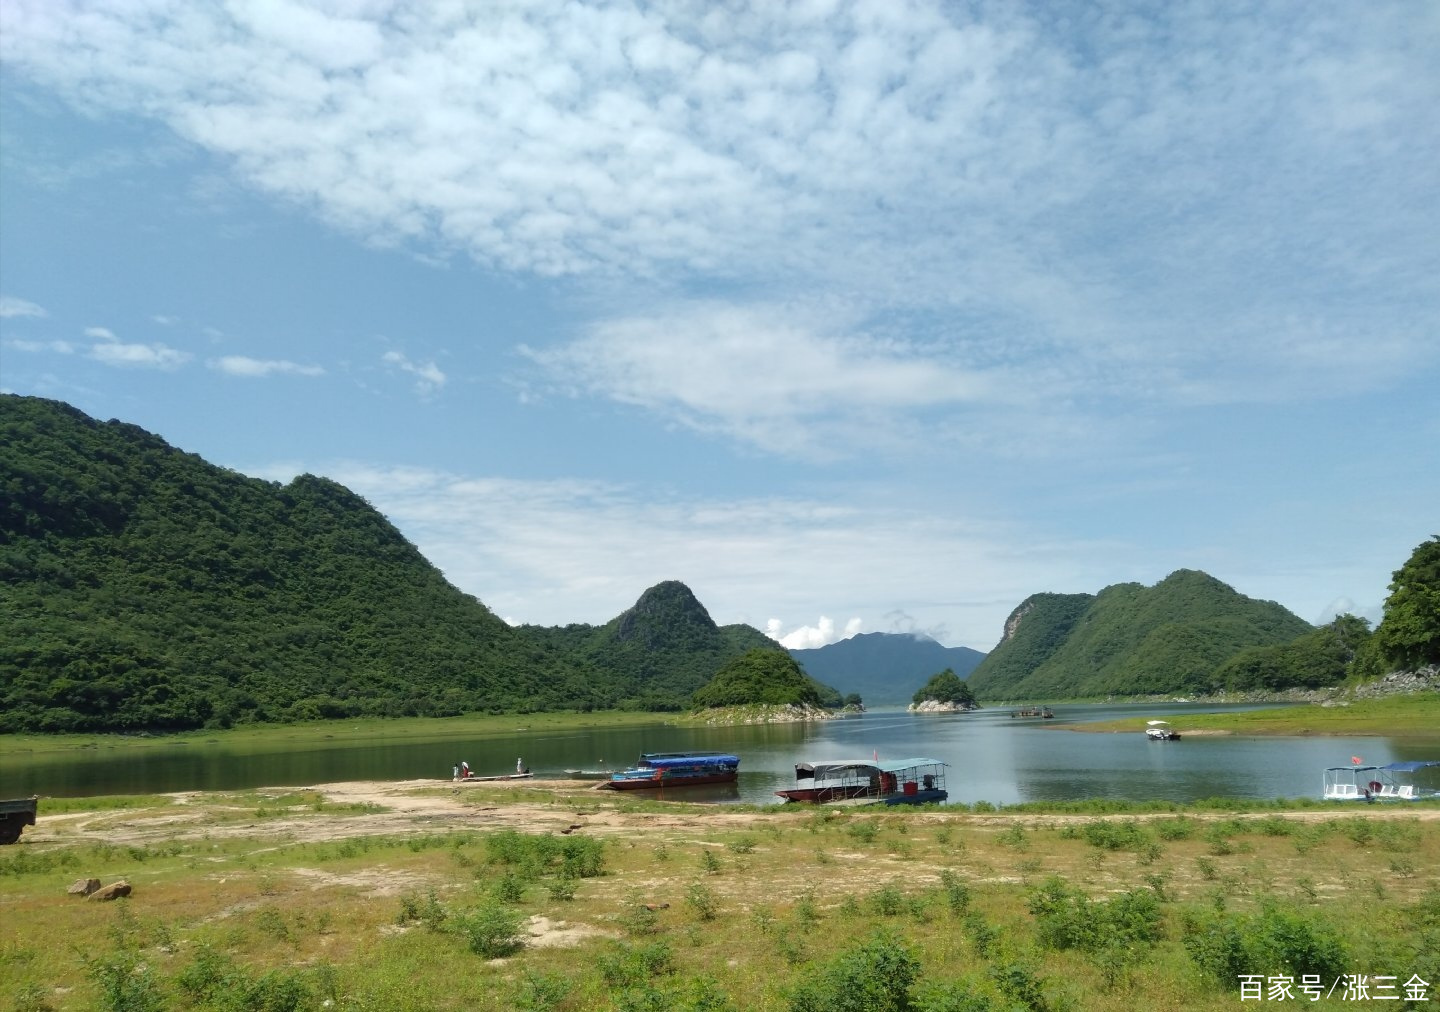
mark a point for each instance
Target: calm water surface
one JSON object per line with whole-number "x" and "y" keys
{"x": 991, "y": 756}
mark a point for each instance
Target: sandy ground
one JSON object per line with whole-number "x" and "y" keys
{"x": 394, "y": 808}
{"x": 430, "y": 806}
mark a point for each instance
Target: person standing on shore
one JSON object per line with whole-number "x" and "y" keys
{"x": 455, "y": 772}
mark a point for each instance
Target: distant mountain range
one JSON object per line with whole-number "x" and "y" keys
{"x": 884, "y": 668}
{"x": 144, "y": 588}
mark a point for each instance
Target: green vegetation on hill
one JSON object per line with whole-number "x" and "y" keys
{"x": 945, "y": 687}
{"x": 769, "y": 676}
{"x": 143, "y": 588}
{"x": 1319, "y": 658}
{"x": 1409, "y": 635}
{"x": 654, "y": 655}
{"x": 1129, "y": 640}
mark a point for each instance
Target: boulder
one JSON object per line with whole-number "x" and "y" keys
{"x": 83, "y": 886}
{"x": 111, "y": 892}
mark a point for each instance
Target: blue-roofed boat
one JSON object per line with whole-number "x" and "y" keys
{"x": 867, "y": 781}
{"x": 1394, "y": 782}
{"x": 662, "y": 770}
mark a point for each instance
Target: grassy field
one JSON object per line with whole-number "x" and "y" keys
{"x": 1398, "y": 716}
{"x": 547, "y": 897}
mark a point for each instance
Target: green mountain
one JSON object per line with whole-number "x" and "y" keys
{"x": 884, "y": 668}
{"x": 766, "y": 675}
{"x": 141, "y": 587}
{"x": 1129, "y": 640}
{"x": 657, "y": 653}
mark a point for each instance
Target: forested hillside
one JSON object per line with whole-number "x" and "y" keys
{"x": 654, "y": 655}
{"x": 884, "y": 668}
{"x": 766, "y": 675}
{"x": 141, "y": 587}
{"x": 1129, "y": 640}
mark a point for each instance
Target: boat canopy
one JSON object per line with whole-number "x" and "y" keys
{"x": 659, "y": 761}
{"x": 1410, "y": 767}
{"x": 833, "y": 769}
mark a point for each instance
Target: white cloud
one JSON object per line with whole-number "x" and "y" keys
{"x": 239, "y": 365}
{"x": 57, "y": 347}
{"x": 1174, "y": 206}
{"x": 781, "y": 378}
{"x": 428, "y": 377}
{"x": 11, "y": 306}
{"x": 137, "y": 356}
{"x": 808, "y": 637}
{"x": 555, "y": 552}
{"x": 100, "y": 333}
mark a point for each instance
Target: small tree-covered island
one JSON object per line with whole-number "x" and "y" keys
{"x": 944, "y": 692}
{"x": 146, "y": 589}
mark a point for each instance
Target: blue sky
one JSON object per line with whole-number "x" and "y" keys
{"x": 853, "y": 317}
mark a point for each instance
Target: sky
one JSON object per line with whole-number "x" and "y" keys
{"x": 853, "y": 317}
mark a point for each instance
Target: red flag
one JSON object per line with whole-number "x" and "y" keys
{"x": 876, "y": 755}
{"x": 1355, "y": 760}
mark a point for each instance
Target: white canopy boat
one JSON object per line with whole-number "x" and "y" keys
{"x": 1394, "y": 782}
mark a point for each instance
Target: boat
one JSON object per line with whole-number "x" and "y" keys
{"x": 659, "y": 770}
{"x": 1160, "y": 730}
{"x": 1033, "y": 711}
{"x": 1393, "y": 782}
{"x": 590, "y": 774}
{"x": 15, "y": 815}
{"x": 867, "y": 781}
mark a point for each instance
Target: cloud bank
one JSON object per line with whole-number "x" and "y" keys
{"x": 1162, "y": 204}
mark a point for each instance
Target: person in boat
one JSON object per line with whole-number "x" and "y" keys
{"x": 464, "y": 771}
{"x": 519, "y": 765}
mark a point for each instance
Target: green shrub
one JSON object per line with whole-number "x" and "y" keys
{"x": 1127, "y": 835}
{"x": 126, "y": 982}
{"x": 508, "y": 888}
{"x": 702, "y": 900}
{"x": 1273, "y": 942}
{"x": 1068, "y": 919}
{"x": 491, "y": 930}
{"x": 630, "y": 966}
{"x": 1019, "y": 983}
{"x": 876, "y": 977}
{"x": 957, "y": 893}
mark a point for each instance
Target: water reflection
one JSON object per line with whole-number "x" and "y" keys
{"x": 992, "y": 757}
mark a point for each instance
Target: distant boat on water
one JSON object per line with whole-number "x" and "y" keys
{"x": 1160, "y": 730}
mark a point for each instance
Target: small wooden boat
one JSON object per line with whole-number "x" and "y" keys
{"x": 872, "y": 782}
{"x": 1033, "y": 711}
{"x": 472, "y": 779}
{"x": 590, "y": 774}
{"x": 662, "y": 770}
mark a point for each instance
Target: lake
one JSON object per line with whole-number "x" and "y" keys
{"x": 991, "y": 756}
